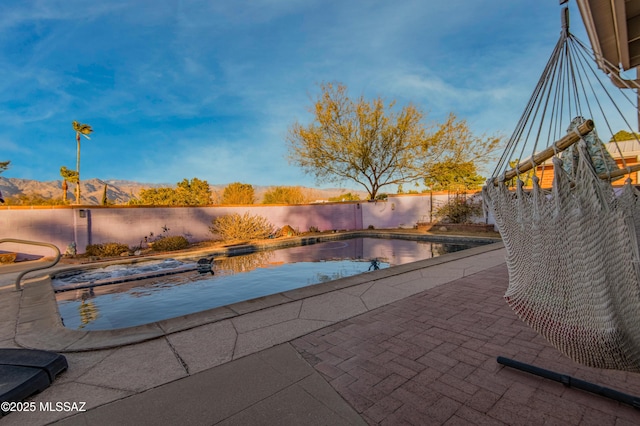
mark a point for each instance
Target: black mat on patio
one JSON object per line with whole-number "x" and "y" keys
{"x": 24, "y": 372}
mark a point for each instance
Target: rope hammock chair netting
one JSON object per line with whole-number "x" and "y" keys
{"x": 572, "y": 249}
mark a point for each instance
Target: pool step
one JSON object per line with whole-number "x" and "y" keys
{"x": 58, "y": 287}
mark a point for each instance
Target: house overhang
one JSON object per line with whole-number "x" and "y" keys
{"x": 613, "y": 27}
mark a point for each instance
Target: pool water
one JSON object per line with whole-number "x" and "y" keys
{"x": 154, "y": 291}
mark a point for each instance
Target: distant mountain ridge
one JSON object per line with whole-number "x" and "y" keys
{"x": 91, "y": 190}
{"x": 122, "y": 191}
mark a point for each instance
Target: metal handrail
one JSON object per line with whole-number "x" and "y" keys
{"x": 33, "y": 243}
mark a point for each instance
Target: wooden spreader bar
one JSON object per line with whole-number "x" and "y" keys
{"x": 539, "y": 158}
{"x": 620, "y": 172}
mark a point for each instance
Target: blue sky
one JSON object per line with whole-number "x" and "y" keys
{"x": 208, "y": 89}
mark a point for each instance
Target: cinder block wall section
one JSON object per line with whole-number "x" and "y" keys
{"x": 130, "y": 224}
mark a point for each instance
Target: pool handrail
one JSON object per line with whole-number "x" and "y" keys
{"x": 37, "y": 268}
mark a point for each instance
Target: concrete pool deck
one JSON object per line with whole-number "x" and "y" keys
{"x": 413, "y": 344}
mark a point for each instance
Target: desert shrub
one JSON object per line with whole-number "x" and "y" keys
{"x": 285, "y": 195}
{"x": 8, "y": 257}
{"x": 459, "y": 210}
{"x": 287, "y": 231}
{"x": 345, "y": 197}
{"x": 245, "y": 227}
{"x": 175, "y": 242}
{"x": 106, "y": 249}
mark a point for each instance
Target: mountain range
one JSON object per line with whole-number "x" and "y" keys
{"x": 121, "y": 191}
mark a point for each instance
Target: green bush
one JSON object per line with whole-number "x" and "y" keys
{"x": 106, "y": 249}
{"x": 459, "y": 210}
{"x": 245, "y": 227}
{"x": 177, "y": 242}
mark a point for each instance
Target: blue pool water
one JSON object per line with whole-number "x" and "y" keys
{"x": 154, "y": 291}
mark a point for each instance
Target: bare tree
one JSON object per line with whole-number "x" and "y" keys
{"x": 367, "y": 142}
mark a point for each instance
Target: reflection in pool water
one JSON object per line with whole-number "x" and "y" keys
{"x": 90, "y": 305}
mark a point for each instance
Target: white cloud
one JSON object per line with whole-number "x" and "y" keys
{"x": 15, "y": 13}
{"x": 9, "y": 146}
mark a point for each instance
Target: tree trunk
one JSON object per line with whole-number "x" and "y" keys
{"x": 105, "y": 200}
{"x": 78, "y": 169}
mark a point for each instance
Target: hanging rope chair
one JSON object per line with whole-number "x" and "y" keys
{"x": 572, "y": 249}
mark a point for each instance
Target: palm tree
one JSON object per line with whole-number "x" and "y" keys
{"x": 84, "y": 130}
{"x": 67, "y": 176}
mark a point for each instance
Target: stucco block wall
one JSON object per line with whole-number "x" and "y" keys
{"x": 55, "y": 226}
{"x": 396, "y": 212}
{"x": 130, "y": 224}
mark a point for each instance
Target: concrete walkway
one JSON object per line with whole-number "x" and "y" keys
{"x": 409, "y": 345}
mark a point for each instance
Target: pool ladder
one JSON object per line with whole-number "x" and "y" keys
{"x": 37, "y": 268}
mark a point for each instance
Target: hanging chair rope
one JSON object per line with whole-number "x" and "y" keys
{"x": 572, "y": 249}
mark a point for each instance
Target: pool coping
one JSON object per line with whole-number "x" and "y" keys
{"x": 39, "y": 324}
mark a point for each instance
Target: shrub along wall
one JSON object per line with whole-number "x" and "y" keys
{"x": 130, "y": 224}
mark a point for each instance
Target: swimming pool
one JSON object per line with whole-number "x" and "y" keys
{"x": 154, "y": 291}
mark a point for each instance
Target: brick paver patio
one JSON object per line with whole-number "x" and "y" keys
{"x": 431, "y": 359}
